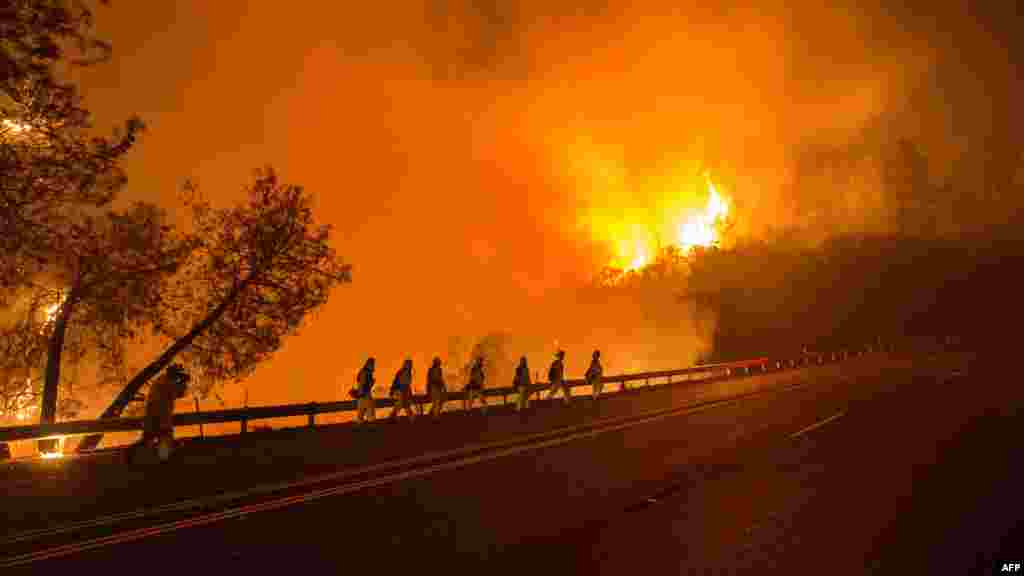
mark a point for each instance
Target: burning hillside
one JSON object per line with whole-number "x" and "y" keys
{"x": 636, "y": 245}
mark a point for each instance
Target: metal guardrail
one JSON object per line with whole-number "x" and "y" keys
{"x": 312, "y": 409}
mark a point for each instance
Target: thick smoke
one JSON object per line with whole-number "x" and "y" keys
{"x": 642, "y": 326}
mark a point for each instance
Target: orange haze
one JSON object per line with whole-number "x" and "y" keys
{"x": 475, "y": 162}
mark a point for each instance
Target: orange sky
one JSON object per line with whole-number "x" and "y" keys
{"x": 445, "y": 143}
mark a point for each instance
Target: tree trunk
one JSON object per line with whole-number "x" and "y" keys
{"x": 139, "y": 380}
{"x": 51, "y": 385}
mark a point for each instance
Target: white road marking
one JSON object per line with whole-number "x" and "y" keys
{"x": 816, "y": 425}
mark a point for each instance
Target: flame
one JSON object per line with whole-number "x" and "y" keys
{"x": 636, "y": 246}
{"x": 58, "y": 453}
{"x": 702, "y": 228}
{"x": 50, "y": 312}
{"x": 633, "y": 250}
{"x": 638, "y": 257}
{"x": 15, "y": 127}
{"x": 639, "y": 260}
{"x": 637, "y": 215}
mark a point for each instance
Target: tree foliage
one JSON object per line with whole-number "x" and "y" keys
{"x": 112, "y": 271}
{"x": 258, "y": 269}
{"x": 22, "y": 353}
{"x": 267, "y": 262}
{"x": 91, "y": 300}
{"x": 55, "y": 175}
{"x": 51, "y": 164}
{"x": 24, "y": 334}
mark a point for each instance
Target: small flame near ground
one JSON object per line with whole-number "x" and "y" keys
{"x": 55, "y": 454}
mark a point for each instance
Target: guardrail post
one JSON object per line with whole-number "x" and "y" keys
{"x": 201, "y": 434}
{"x": 312, "y": 414}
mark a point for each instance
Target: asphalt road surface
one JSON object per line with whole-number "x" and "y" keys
{"x": 901, "y": 468}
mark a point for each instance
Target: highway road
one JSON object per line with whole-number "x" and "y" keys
{"x": 873, "y": 466}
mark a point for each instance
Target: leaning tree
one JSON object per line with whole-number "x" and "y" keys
{"x": 257, "y": 270}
